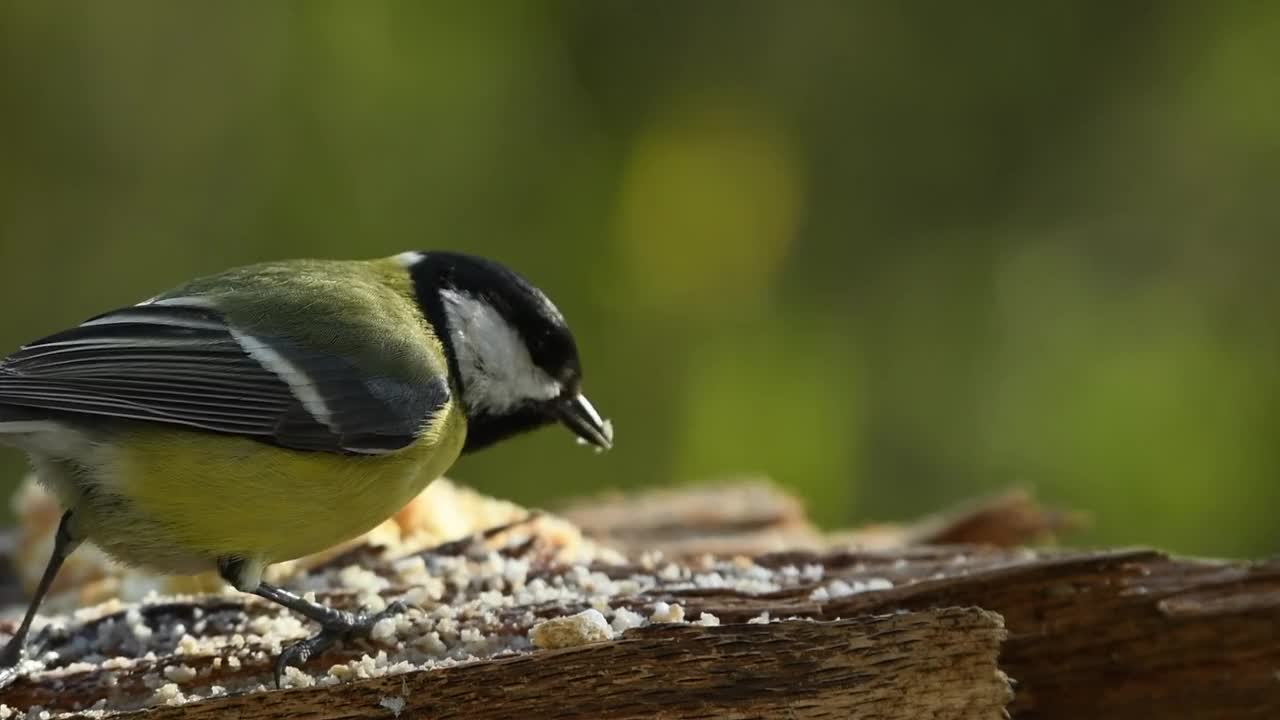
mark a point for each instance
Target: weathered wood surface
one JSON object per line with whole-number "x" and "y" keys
{"x": 1128, "y": 634}
{"x": 1115, "y": 634}
{"x": 755, "y": 517}
{"x": 897, "y": 666}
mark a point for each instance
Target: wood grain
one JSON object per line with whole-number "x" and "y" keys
{"x": 899, "y": 632}
{"x": 890, "y": 667}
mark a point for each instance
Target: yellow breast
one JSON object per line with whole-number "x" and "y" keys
{"x": 213, "y": 496}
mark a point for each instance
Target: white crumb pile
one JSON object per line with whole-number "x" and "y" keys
{"x": 464, "y": 608}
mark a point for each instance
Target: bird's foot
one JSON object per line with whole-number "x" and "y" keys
{"x": 339, "y": 626}
{"x": 8, "y": 675}
{"x": 10, "y": 658}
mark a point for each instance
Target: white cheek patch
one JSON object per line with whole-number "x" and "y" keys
{"x": 497, "y": 372}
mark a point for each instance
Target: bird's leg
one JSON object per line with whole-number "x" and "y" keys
{"x": 64, "y": 542}
{"x": 334, "y": 624}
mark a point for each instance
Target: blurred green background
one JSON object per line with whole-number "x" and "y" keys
{"x": 891, "y": 254}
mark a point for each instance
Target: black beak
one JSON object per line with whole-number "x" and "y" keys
{"x": 577, "y": 414}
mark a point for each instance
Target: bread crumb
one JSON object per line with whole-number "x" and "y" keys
{"x": 294, "y": 677}
{"x": 624, "y": 619}
{"x": 188, "y": 645}
{"x": 587, "y": 626}
{"x": 383, "y": 630}
{"x": 179, "y": 673}
{"x": 708, "y": 620}
{"x": 358, "y": 578}
{"x": 168, "y": 694}
{"x": 664, "y": 613}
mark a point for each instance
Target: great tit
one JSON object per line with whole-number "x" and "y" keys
{"x": 272, "y": 411}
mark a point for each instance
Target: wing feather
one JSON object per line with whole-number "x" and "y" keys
{"x": 187, "y": 366}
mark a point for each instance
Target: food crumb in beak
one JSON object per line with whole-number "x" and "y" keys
{"x": 607, "y": 426}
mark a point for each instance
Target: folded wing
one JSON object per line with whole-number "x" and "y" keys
{"x": 185, "y": 365}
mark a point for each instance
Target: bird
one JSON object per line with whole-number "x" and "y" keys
{"x": 273, "y": 410}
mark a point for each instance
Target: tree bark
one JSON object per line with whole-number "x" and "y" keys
{"x": 898, "y": 666}
{"x": 903, "y": 632}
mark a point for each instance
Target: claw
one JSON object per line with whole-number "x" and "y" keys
{"x": 394, "y": 608}
{"x": 8, "y": 675}
{"x": 340, "y": 627}
{"x": 297, "y": 654}
{"x": 10, "y": 658}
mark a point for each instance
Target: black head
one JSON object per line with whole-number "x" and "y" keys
{"x": 512, "y": 358}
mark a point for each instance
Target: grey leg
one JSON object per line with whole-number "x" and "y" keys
{"x": 334, "y": 624}
{"x": 323, "y": 615}
{"x": 63, "y": 544}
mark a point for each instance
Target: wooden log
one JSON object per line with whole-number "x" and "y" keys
{"x": 1122, "y": 634}
{"x": 886, "y": 633}
{"x": 894, "y": 666}
{"x": 752, "y": 517}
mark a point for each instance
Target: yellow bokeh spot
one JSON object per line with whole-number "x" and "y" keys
{"x": 709, "y": 206}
